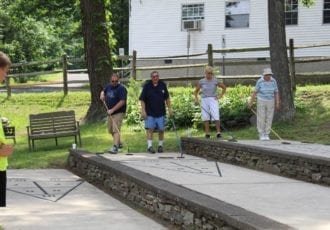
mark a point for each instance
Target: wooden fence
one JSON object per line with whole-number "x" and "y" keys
{"x": 65, "y": 62}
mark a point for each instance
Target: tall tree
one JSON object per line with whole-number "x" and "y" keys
{"x": 279, "y": 57}
{"x": 98, "y": 54}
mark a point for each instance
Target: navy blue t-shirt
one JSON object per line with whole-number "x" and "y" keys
{"x": 154, "y": 98}
{"x": 113, "y": 94}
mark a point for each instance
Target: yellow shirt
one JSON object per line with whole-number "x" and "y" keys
{"x": 3, "y": 160}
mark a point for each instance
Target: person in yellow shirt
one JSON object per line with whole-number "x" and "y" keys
{"x": 5, "y": 150}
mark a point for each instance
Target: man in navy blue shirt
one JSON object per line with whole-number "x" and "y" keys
{"x": 153, "y": 98}
{"x": 115, "y": 96}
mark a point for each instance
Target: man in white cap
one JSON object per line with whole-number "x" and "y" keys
{"x": 268, "y": 99}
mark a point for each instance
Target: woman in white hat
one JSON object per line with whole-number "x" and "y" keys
{"x": 266, "y": 91}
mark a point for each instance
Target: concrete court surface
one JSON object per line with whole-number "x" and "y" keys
{"x": 57, "y": 199}
{"x": 299, "y": 204}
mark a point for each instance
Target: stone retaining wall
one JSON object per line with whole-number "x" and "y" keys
{"x": 180, "y": 206}
{"x": 298, "y": 166}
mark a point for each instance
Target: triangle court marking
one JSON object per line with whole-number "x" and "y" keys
{"x": 53, "y": 189}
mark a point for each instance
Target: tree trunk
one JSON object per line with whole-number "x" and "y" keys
{"x": 97, "y": 53}
{"x": 279, "y": 58}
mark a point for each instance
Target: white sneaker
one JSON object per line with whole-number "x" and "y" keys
{"x": 262, "y": 137}
{"x": 266, "y": 137}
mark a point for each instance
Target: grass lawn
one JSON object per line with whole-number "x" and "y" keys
{"x": 311, "y": 123}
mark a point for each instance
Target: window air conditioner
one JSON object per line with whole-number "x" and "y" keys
{"x": 192, "y": 25}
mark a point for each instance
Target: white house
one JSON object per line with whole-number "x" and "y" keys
{"x": 178, "y": 27}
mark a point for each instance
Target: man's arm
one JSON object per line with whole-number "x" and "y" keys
{"x": 102, "y": 97}
{"x": 117, "y": 106}
{"x": 143, "y": 109}
{"x": 169, "y": 107}
{"x": 6, "y": 150}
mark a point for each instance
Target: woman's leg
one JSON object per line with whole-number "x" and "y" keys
{"x": 261, "y": 117}
{"x": 270, "y": 106}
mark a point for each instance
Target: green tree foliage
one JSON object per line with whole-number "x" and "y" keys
{"x": 35, "y": 30}
{"x": 38, "y": 29}
{"x": 308, "y": 3}
{"x": 119, "y": 10}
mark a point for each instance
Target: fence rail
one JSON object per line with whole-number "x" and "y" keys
{"x": 66, "y": 62}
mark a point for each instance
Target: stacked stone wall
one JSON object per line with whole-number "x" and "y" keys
{"x": 298, "y": 166}
{"x": 181, "y": 207}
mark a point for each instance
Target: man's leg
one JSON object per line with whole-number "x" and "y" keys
{"x": 149, "y": 140}
{"x": 160, "y": 141}
{"x": 150, "y": 126}
{"x": 116, "y": 138}
{"x": 160, "y": 121}
{"x": 3, "y": 185}
{"x": 116, "y": 126}
{"x": 112, "y": 149}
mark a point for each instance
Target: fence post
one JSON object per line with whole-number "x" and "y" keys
{"x": 292, "y": 65}
{"x": 8, "y": 87}
{"x": 134, "y": 65}
{"x": 65, "y": 74}
{"x": 210, "y": 54}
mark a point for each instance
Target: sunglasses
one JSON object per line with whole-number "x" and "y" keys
{"x": 114, "y": 81}
{"x": 155, "y": 75}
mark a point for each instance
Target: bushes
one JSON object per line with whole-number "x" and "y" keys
{"x": 234, "y": 110}
{"x": 233, "y": 106}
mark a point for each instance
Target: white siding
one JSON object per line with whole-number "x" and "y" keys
{"x": 155, "y": 29}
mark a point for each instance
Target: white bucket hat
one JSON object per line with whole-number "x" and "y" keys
{"x": 267, "y": 71}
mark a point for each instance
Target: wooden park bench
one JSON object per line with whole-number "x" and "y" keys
{"x": 52, "y": 125}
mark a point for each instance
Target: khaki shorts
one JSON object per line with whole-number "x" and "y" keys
{"x": 114, "y": 122}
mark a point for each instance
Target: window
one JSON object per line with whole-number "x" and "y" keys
{"x": 192, "y": 15}
{"x": 237, "y": 13}
{"x": 326, "y": 11}
{"x": 291, "y": 12}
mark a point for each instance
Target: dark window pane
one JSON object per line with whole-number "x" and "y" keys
{"x": 294, "y": 21}
{"x": 295, "y": 7}
{"x": 326, "y": 16}
{"x": 291, "y": 18}
{"x": 287, "y": 21}
{"x": 327, "y": 5}
{"x": 237, "y": 21}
